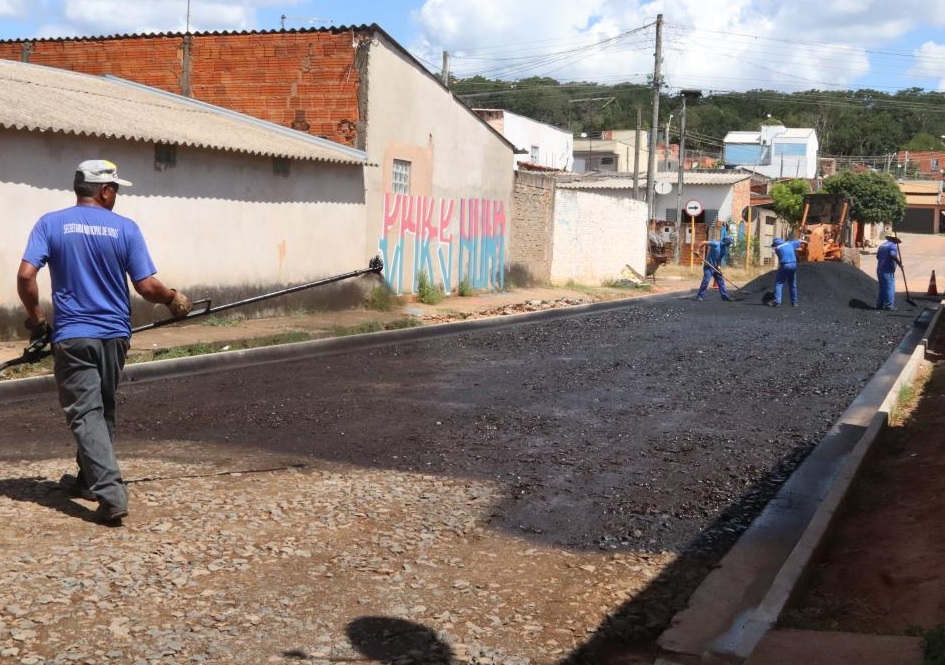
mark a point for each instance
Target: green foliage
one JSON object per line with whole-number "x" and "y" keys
{"x": 428, "y": 292}
{"x": 789, "y": 199}
{"x": 924, "y": 142}
{"x": 380, "y": 299}
{"x": 852, "y": 123}
{"x": 933, "y": 643}
{"x": 876, "y": 196}
{"x": 223, "y": 321}
{"x": 464, "y": 289}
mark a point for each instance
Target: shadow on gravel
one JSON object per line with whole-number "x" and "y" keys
{"x": 390, "y": 640}
{"x": 46, "y": 493}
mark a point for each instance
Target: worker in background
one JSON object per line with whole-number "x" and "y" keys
{"x": 887, "y": 258}
{"x": 712, "y": 252}
{"x": 786, "y": 251}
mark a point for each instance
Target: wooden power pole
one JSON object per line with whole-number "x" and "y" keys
{"x": 651, "y": 158}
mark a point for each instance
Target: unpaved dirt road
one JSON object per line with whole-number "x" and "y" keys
{"x": 533, "y": 494}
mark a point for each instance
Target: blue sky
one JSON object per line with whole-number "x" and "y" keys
{"x": 712, "y": 45}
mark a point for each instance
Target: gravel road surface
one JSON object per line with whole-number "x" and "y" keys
{"x": 540, "y": 493}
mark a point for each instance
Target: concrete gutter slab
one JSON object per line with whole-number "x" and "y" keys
{"x": 739, "y": 603}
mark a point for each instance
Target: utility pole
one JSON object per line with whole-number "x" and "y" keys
{"x": 445, "y": 72}
{"x": 686, "y": 95}
{"x": 651, "y": 158}
{"x": 636, "y": 157}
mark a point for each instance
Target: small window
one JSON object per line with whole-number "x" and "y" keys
{"x": 400, "y": 182}
{"x": 534, "y": 154}
{"x": 165, "y": 156}
{"x": 934, "y": 164}
{"x": 280, "y": 166}
{"x": 606, "y": 160}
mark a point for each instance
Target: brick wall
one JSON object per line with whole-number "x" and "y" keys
{"x": 307, "y": 80}
{"x": 530, "y": 233}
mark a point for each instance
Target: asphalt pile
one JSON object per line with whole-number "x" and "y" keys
{"x": 827, "y": 284}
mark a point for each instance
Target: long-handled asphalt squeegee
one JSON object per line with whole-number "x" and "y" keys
{"x": 375, "y": 266}
{"x": 716, "y": 270}
{"x": 37, "y": 350}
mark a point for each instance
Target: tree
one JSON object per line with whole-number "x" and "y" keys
{"x": 789, "y": 199}
{"x": 876, "y": 197}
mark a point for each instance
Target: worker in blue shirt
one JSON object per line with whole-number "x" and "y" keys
{"x": 787, "y": 269}
{"x": 712, "y": 253}
{"x": 887, "y": 258}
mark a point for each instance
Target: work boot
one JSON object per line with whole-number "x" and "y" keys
{"x": 110, "y": 515}
{"x": 74, "y": 488}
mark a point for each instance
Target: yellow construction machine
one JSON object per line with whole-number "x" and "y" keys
{"x": 826, "y": 226}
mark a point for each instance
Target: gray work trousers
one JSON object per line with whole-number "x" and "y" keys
{"x": 87, "y": 372}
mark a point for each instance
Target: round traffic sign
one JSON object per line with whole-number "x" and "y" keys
{"x": 693, "y": 208}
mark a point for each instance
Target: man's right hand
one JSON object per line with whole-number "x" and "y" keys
{"x": 179, "y": 305}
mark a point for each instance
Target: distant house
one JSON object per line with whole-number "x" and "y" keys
{"x": 611, "y": 151}
{"x": 537, "y": 144}
{"x": 776, "y": 152}
{"x": 229, "y": 204}
{"x": 925, "y": 206}
{"x": 439, "y": 186}
{"x": 925, "y": 164}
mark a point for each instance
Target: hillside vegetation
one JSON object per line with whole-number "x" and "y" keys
{"x": 861, "y": 123}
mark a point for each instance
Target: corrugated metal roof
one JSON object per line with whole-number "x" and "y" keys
{"x": 45, "y": 99}
{"x": 626, "y": 182}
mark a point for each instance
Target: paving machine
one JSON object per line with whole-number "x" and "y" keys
{"x": 827, "y": 228}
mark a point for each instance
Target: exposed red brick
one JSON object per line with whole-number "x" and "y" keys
{"x": 267, "y": 75}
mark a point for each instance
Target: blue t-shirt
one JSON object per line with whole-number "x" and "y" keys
{"x": 90, "y": 251}
{"x": 713, "y": 252}
{"x": 887, "y": 256}
{"x": 785, "y": 251}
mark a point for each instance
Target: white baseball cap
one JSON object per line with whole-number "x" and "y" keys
{"x": 99, "y": 171}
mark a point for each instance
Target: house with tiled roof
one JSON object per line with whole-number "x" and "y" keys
{"x": 439, "y": 184}
{"x": 229, "y": 204}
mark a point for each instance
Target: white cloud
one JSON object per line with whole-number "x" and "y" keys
{"x": 12, "y": 8}
{"x": 708, "y": 44}
{"x": 930, "y": 58}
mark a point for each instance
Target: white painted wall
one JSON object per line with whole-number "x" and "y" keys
{"x": 712, "y": 197}
{"x": 596, "y": 234}
{"x": 555, "y": 146}
{"x": 461, "y": 170}
{"x": 216, "y": 219}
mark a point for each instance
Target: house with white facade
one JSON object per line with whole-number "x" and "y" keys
{"x": 611, "y": 151}
{"x": 536, "y": 143}
{"x": 230, "y": 205}
{"x": 776, "y": 151}
{"x": 439, "y": 182}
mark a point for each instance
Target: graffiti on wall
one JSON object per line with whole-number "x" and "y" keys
{"x": 450, "y": 241}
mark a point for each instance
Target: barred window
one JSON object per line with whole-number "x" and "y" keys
{"x": 400, "y": 183}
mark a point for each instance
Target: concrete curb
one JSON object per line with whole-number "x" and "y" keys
{"x": 742, "y": 599}
{"x": 164, "y": 369}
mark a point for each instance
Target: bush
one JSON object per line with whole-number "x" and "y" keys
{"x": 428, "y": 292}
{"x": 381, "y": 299}
{"x": 464, "y": 289}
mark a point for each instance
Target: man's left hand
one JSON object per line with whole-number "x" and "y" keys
{"x": 40, "y": 333}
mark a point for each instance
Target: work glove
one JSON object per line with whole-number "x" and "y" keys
{"x": 40, "y": 333}
{"x": 179, "y": 305}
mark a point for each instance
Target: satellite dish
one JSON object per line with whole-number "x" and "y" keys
{"x": 663, "y": 187}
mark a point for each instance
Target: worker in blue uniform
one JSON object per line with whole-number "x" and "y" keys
{"x": 786, "y": 251}
{"x": 712, "y": 252}
{"x": 887, "y": 259}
